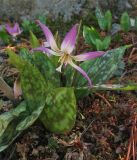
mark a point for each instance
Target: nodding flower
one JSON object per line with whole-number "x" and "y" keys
{"x": 65, "y": 52}
{"x": 13, "y": 31}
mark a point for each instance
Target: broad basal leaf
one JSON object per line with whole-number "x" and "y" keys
{"x": 59, "y": 115}
{"x": 32, "y": 82}
{"x": 125, "y": 22}
{"x": 24, "y": 115}
{"x": 101, "y": 69}
{"x": 46, "y": 66}
{"x": 8, "y": 124}
{"x": 106, "y": 42}
{"x": 100, "y": 18}
{"x": 108, "y": 18}
{"x": 90, "y": 35}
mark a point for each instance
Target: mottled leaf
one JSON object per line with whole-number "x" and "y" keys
{"x": 106, "y": 42}
{"x": 59, "y": 115}
{"x": 108, "y": 18}
{"x": 101, "y": 69}
{"x": 34, "y": 91}
{"x": 8, "y": 123}
{"x": 100, "y": 18}
{"x": 90, "y": 35}
{"x": 47, "y": 66}
{"x": 99, "y": 44}
{"x": 125, "y": 22}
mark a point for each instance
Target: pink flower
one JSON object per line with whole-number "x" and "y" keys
{"x": 14, "y": 31}
{"x": 65, "y": 51}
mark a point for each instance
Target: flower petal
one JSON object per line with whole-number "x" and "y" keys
{"x": 82, "y": 72}
{"x": 46, "y": 44}
{"x": 48, "y": 51}
{"x": 8, "y": 29}
{"x": 16, "y": 29}
{"x": 49, "y": 36}
{"x": 88, "y": 55}
{"x": 69, "y": 41}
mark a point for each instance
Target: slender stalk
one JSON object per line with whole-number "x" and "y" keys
{"x": 74, "y": 72}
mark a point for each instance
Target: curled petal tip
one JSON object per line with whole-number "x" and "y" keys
{"x": 49, "y": 36}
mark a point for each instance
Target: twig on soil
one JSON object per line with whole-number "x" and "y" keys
{"x": 128, "y": 72}
{"x": 104, "y": 99}
{"x": 86, "y": 129}
{"x": 132, "y": 141}
{"x": 131, "y": 53}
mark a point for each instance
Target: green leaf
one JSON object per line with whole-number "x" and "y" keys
{"x": 125, "y": 22}
{"x": 59, "y": 115}
{"x": 8, "y": 123}
{"x": 32, "y": 82}
{"x": 14, "y": 59}
{"x": 90, "y": 35}
{"x": 12, "y": 123}
{"x": 100, "y": 18}
{"x": 4, "y": 36}
{"x": 136, "y": 23}
{"x": 111, "y": 87}
{"x": 101, "y": 69}
{"x": 28, "y": 26}
{"x": 33, "y": 40}
{"x": 99, "y": 44}
{"x": 106, "y": 42}
{"x": 25, "y": 54}
{"x": 46, "y": 66}
{"x": 108, "y": 18}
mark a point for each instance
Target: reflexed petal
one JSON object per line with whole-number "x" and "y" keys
{"x": 88, "y": 55}
{"x": 16, "y": 28}
{"x": 46, "y": 44}
{"x": 8, "y": 28}
{"x": 49, "y": 36}
{"x": 82, "y": 72}
{"x": 49, "y": 52}
{"x": 69, "y": 41}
